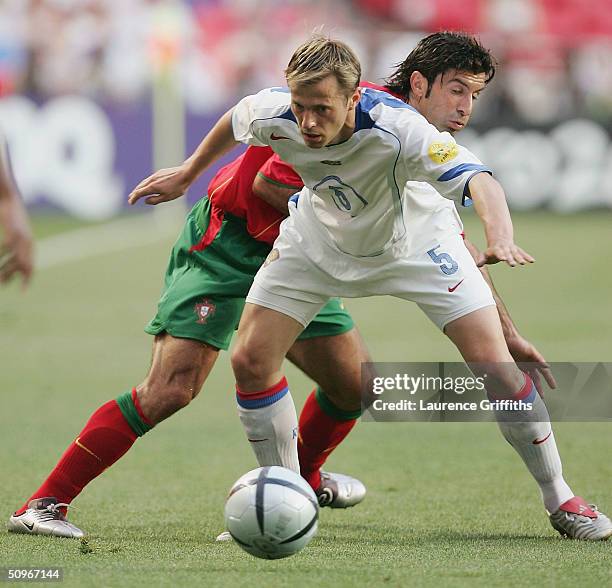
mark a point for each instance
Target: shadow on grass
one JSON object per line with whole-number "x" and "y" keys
{"x": 385, "y": 534}
{"x": 117, "y": 538}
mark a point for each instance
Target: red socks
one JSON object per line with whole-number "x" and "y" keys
{"x": 115, "y": 426}
{"x": 322, "y": 428}
{"x": 106, "y": 437}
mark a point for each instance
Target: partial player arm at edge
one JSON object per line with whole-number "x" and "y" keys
{"x": 492, "y": 209}
{"x": 520, "y": 348}
{"x": 16, "y": 248}
{"x": 171, "y": 183}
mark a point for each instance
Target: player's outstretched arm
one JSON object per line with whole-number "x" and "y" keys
{"x": 16, "y": 248}
{"x": 528, "y": 358}
{"x": 490, "y": 204}
{"x": 274, "y": 194}
{"x": 171, "y": 183}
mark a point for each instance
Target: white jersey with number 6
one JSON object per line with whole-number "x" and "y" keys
{"x": 353, "y": 191}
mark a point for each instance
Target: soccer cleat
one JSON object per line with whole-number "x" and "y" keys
{"x": 225, "y": 536}
{"x": 576, "y": 519}
{"x": 339, "y": 491}
{"x": 44, "y": 517}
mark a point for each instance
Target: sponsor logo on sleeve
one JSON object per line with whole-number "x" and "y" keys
{"x": 441, "y": 153}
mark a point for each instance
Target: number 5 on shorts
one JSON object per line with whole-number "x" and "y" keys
{"x": 447, "y": 264}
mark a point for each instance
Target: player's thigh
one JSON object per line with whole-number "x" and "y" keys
{"x": 264, "y": 337}
{"x": 201, "y": 304}
{"x": 331, "y": 352}
{"x": 334, "y": 362}
{"x": 479, "y": 338}
{"x": 190, "y": 328}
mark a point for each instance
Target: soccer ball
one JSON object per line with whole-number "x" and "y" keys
{"x": 271, "y": 512}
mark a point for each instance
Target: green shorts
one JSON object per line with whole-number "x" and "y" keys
{"x": 205, "y": 289}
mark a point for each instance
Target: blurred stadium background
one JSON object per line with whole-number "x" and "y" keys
{"x": 86, "y": 85}
{"x": 96, "y": 94}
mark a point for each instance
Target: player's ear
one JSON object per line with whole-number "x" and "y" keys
{"x": 354, "y": 98}
{"x": 418, "y": 85}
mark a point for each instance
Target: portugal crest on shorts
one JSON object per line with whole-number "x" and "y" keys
{"x": 204, "y": 310}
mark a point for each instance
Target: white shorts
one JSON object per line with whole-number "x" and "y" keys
{"x": 303, "y": 271}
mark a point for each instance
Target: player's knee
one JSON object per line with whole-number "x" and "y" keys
{"x": 248, "y": 364}
{"x": 179, "y": 397}
{"x": 345, "y": 397}
{"x": 503, "y": 379}
{"x": 159, "y": 400}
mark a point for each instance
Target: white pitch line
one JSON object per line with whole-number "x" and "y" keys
{"x": 117, "y": 235}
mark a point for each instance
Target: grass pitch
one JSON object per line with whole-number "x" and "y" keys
{"x": 448, "y": 504}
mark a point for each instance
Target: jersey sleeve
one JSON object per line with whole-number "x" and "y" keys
{"x": 276, "y": 171}
{"x": 434, "y": 157}
{"x": 263, "y": 107}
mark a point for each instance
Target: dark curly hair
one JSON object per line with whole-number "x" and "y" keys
{"x": 438, "y": 53}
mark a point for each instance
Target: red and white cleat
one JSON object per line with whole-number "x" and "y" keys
{"x": 576, "y": 519}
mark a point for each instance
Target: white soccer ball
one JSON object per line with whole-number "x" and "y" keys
{"x": 271, "y": 512}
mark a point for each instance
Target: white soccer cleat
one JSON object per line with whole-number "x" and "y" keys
{"x": 340, "y": 491}
{"x": 576, "y": 519}
{"x": 225, "y": 536}
{"x": 44, "y": 517}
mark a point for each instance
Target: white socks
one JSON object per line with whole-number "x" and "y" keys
{"x": 270, "y": 422}
{"x": 534, "y": 441}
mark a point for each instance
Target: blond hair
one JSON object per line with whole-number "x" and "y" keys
{"x": 320, "y": 57}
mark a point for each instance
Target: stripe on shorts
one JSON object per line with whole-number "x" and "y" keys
{"x": 214, "y": 226}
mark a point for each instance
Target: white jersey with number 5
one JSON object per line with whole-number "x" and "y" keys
{"x": 353, "y": 191}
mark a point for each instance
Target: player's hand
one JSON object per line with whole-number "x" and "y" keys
{"x": 16, "y": 249}
{"x": 531, "y": 361}
{"x": 162, "y": 186}
{"x": 506, "y": 251}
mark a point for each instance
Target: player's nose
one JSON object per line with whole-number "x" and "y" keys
{"x": 309, "y": 122}
{"x": 465, "y": 106}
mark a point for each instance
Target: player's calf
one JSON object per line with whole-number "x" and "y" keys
{"x": 114, "y": 427}
{"x": 323, "y": 426}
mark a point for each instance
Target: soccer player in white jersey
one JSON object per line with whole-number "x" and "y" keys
{"x": 349, "y": 234}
